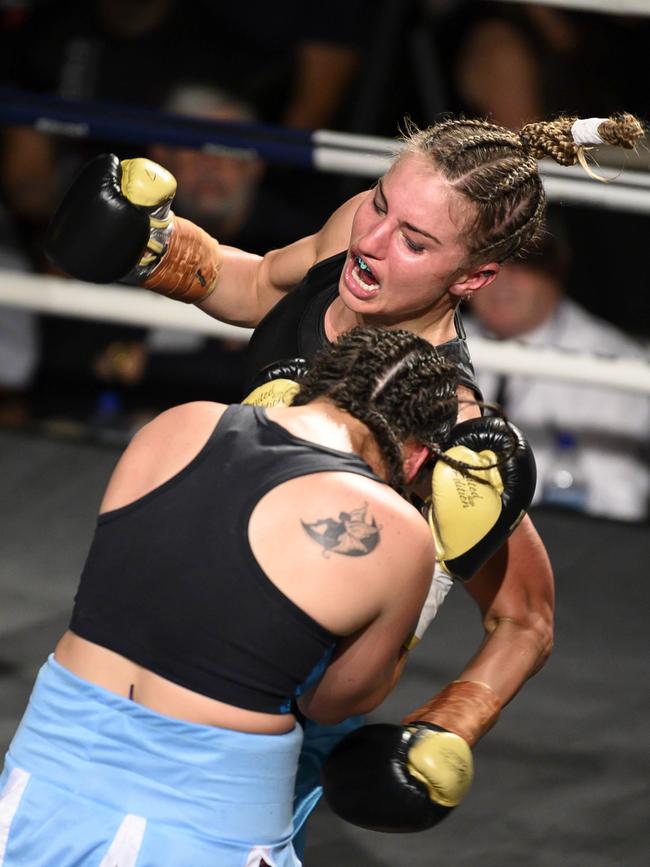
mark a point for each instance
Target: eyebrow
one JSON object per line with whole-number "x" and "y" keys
{"x": 406, "y": 225}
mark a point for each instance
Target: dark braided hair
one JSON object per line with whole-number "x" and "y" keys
{"x": 495, "y": 169}
{"x": 394, "y": 382}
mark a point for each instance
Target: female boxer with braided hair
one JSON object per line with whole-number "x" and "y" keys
{"x": 460, "y": 198}
{"x": 244, "y": 560}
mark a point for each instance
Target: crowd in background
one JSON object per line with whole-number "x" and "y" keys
{"x": 356, "y": 66}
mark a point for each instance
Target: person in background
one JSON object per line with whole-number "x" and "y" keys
{"x": 294, "y": 70}
{"x": 217, "y": 188}
{"x": 603, "y": 432}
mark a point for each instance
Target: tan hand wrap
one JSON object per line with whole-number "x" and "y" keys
{"x": 189, "y": 271}
{"x": 466, "y": 707}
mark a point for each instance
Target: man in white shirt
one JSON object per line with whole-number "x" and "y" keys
{"x": 610, "y": 428}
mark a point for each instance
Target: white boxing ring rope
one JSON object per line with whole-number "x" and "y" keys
{"x": 613, "y": 7}
{"x": 321, "y": 150}
{"x": 135, "y": 306}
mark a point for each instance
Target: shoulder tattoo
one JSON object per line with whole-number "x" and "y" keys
{"x": 352, "y": 533}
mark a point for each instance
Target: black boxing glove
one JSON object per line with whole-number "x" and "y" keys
{"x": 473, "y": 511}
{"x": 396, "y": 778}
{"x": 276, "y": 384}
{"x": 115, "y": 219}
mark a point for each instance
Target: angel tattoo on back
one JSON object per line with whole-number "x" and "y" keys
{"x": 352, "y": 533}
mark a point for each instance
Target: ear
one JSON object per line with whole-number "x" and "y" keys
{"x": 473, "y": 279}
{"x": 414, "y": 458}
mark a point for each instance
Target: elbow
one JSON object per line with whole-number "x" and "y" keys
{"x": 324, "y": 715}
{"x": 326, "y": 718}
{"x": 530, "y": 634}
{"x": 545, "y": 648}
{"x": 541, "y": 629}
{"x": 332, "y": 713}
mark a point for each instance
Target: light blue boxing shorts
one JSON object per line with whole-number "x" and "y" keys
{"x": 92, "y": 779}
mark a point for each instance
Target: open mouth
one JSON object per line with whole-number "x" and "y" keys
{"x": 363, "y": 276}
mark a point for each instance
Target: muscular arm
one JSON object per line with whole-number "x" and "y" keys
{"x": 369, "y": 661}
{"x": 115, "y": 222}
{"x": 249, "y": 286}
{"x": 514, "y": 591}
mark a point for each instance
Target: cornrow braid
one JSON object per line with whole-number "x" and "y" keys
{"x": 394, "y": 382}
{"x": 388, "y": 443}
{"x": 495, "y": 169}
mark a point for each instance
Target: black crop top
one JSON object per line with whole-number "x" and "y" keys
{"x": 295, "y": 327}
{"x": 171, "y": 583}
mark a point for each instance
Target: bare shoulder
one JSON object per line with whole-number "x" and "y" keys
{"x": 354, "y": 515}
{"x": 330, "y": 536}
{"x": 160, "y": 449}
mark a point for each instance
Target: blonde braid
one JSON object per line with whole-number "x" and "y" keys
{"x": 551, "y": 138}
{"x": 554, "y": 138}
{"x": 621, "y": 130}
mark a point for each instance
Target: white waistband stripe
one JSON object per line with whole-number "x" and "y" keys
{"x": 126, "y": 845}
{"x": 9, "y": 802}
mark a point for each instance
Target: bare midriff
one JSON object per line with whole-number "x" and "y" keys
{"x": 119, "y": 675}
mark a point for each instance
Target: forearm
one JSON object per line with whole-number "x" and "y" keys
{"x": 228, "y": 283}
{"x": 375, "y": 698}
{"x": 325, "y": 707}
{"x": 196, "y": 269}
{"x": 514, "y": 591}
{"x": 239, "y": 276}
{"x": 509, "y": 655}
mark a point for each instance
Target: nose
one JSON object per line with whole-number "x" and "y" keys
{"x": 373, "y": 244}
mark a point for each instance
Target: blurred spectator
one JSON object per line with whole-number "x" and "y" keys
{"x": 604, "y": 431}
{"x": 226, "y": 192}
{"x": 105, "y": 50}
{"x": 295, "y": 63}
{"x": 518, "y": 62}
{"x": 216, "y": 189}
{"x": 292, "y": 67}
